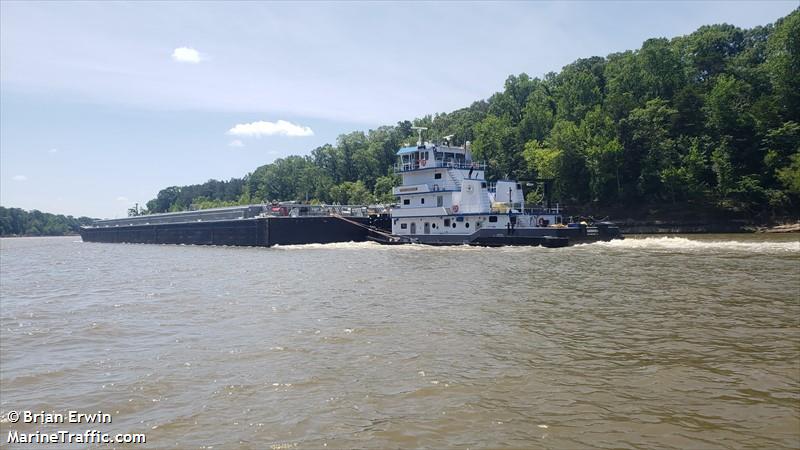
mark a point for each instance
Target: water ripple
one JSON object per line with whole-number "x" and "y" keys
{"x": 660, "y": 342}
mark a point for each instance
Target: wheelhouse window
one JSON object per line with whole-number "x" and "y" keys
{"x": 406, "y": 201}
{"x": 492, "y": 218}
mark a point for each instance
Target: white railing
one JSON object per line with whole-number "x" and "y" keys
{"x": 427, "y": 164}
{"x": 424, "y": 188}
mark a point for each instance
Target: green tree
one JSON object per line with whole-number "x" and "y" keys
{"x": 496, "y": 143}
{"x": 783, "y": 64}
{"x": 383, "y": 188}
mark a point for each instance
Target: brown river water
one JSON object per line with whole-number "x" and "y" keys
{"x": 656, "y": 342}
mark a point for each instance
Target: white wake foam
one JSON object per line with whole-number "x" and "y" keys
{"x": 332, "y": 246}
{"x": 684, "y": 244}
{"x": 674, "y": 244}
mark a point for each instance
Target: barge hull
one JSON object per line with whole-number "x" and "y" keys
{"x": 254, "y": 232}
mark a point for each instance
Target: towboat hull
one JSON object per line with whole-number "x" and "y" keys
{"x": 551, "y": 237}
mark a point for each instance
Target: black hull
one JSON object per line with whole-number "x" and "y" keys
{"x": 256, "y": 232}
{"x": 545, "y": 237}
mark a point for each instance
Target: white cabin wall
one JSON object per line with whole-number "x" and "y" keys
{"x": 473, "y": 199}
{"x": 501, "y": 192}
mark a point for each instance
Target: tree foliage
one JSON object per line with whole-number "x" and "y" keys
{"x": 18, "y": 222}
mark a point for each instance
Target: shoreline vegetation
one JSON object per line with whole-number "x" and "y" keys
{"x": 18, "y": 222}
{"x": 698, "y": 133}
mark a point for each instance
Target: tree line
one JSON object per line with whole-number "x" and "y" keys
{"x": 710, "y": 119}
{"x": 18, "y": 222}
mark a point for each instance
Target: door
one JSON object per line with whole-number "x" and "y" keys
{"x": 427, "y": 228}
{"x": 413, "y": 228}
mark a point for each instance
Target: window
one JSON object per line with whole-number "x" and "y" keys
{"x": 422, "y": 201}
{"x": 492, "y": 218}
{"x": 454, "y": 224}
{"x": 403, "y": 226}
{"x": 466, "y": 224}
{"x": 447, "y": 222}
{"x": 437, "y": 176}
{"x": 439, "y": 200}
{"x": 406, "y": 201}
{"x": 483, "y": 185}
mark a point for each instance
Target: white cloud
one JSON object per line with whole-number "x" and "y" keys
{"x": 53, "y": 150}
{"x": 236, "y": 143}
{"x": 122, "y": 199}
{"x": 262, "y": 128}
{"x": 19, "y": 178}
{"x": 186, "y": 55}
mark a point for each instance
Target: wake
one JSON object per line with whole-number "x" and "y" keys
{"x": 684, "y": 244}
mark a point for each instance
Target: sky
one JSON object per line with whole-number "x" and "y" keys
{"x": 102, "y": 104}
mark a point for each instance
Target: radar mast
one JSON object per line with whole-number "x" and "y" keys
{"x": 419, "y": 131}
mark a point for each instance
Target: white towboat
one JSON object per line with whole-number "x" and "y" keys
{"x": 445, "y": 199}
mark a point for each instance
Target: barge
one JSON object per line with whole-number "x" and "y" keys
{"x": 250, "y": 225}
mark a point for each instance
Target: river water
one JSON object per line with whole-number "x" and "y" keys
{"x": 657, "y": 342}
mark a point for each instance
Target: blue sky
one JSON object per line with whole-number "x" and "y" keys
{"x": 104, "y": 103}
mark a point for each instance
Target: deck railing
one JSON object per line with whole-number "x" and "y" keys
{"x": 427, "y": 164}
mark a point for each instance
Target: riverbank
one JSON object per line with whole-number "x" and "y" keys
{"x": 785, "y": 228}
{"x": 688, "y": 219}
{"x": 708, "y": 227}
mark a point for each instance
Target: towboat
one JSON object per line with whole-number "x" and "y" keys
{"x": 445, "y": 199}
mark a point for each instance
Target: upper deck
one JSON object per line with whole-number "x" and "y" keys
{"x": 430, "y": 156}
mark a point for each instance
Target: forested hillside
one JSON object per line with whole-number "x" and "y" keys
{"x": 710, "y": 120}
{"x": 18, "y": 222}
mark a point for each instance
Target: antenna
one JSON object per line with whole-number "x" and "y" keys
{"x": 419, "y": 131}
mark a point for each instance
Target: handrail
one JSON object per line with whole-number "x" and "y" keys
{"x": 428, "y": 164}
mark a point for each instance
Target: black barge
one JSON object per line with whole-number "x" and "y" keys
{"x": 251, "y": 225}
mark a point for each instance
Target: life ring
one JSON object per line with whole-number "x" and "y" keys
{"x": 455, "y": 208}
